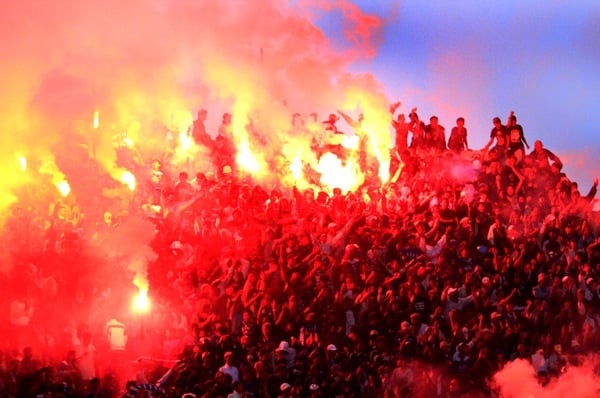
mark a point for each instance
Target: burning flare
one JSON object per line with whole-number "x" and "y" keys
{"x": 246, "y": 159}
{"x": 96, "y": 122}
{"x": 59, "y": 180}
{"x": 63, "y": 187}
{"x": 296, "y": 167}
{"x": 140, "y": 302}
{"x": 334, "y": 174}
{"x": 128, "y": 179}
{"x": 23, "y": 162}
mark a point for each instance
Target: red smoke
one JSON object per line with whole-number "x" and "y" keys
{"x": 147, "y": 67}
{"x": 518, "y": 380}
{"x": 139, "y": 63}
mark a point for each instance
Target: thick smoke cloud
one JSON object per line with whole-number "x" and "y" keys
{"x": 146, "y": 64}
{"x": 519, "y": 380}
{"x": 145, "y": 68}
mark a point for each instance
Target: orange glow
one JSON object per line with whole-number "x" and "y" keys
{"x": 141, "y": 302}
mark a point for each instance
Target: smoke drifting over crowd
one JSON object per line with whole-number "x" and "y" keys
{"x": 82, "y": 80}
{"x": 148, "y": 64}
{"x": 87, "y": 74}
{"x": 519, "y": 380}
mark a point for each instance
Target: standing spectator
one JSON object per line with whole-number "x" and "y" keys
{"x": 417, "y": 128}
{"x": 516, "y": 137}
{"x": 458, "y": 137}
{"x": 436, "y": 133}
{"x": 401, "y": 128}
{"x": 199, "y": 133}
{"x": 498, "y": 136}
{"x": 229, "y": 368}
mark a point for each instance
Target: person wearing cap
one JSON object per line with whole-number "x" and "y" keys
{"x": 452, "y": 301}
{"x": 314, "y": 390}
{"x": 286, "y": 352}
{"x": 285, "y": 390}
{"x": 331, "y": 352}
{"x": 591, "y": 289}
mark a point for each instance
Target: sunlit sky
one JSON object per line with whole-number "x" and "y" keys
{"x": 484, "y": 59}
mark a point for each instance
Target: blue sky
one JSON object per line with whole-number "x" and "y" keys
{"x": 483, "y": 59}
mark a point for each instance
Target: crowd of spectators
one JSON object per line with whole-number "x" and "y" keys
{"x": 425, "y": 286}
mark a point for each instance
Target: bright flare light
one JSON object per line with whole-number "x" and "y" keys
{"x": 128, "y": 179}
{"x": 64, "y": 188}
{"x": 50, "y": 168}
{"x": 350, "y": 142}
{"x": 336, "y": 175}
{"x": 128, "y": 142}
{"x": 140, "y": 302}
{"x": 246, "y": 159}
{"x": 185, "y": 140}
{"x": 296, "y": 168}
{"x": 23, "y": 162}
{"x": 96, "y": 122}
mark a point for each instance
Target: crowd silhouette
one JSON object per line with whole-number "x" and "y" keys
{"x": 422, "y": 286}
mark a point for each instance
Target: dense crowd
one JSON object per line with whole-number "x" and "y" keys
{"x": 424, "y": 286}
